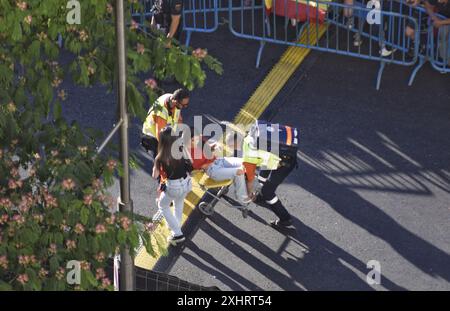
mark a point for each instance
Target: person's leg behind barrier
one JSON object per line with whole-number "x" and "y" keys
{"x": 444, "y": 44}
{"x": 150, "y": 144}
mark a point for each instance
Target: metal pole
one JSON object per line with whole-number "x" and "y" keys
{"x": 126, "y": 262}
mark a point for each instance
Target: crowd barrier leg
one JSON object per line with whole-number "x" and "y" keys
{"x": 422, "y": 61}
{"x": 380, "y": 74}
{"x": 261, "y": 48}
{"x": 188, "y": 37}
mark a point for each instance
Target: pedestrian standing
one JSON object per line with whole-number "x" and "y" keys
{"x": 175, "y": 181}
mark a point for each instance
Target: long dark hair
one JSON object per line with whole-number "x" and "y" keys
{"x": 165, "y": 157}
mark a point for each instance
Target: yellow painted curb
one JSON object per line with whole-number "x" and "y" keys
{"x": 252, "y": 110}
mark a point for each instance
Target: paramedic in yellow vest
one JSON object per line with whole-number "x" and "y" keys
{"x": 166, "y": 111}
{"x": 273, "y": 171}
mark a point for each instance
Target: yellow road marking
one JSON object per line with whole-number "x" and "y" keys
{"x": 252, "y": 110}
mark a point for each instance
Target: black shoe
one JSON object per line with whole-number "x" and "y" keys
{"x": 174, "y": 240}
{"x": 281, "y": 223}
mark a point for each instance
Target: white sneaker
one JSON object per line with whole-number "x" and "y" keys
{"x": 385, "y": 52}
{"x": 174, "y": 240}
{"x": 357, "y": 40}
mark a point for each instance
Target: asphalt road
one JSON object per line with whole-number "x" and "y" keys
{"x": 373, "y": 181}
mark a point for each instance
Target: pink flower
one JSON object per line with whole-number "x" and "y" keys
{"x": 23, "y": 260}
{"x": 83, "y": 35}
{"x": 52, "y": 249}
{"x": 79, "y": 228}
{"x": 5, "y": 202}
{"x": 22, "y": 279}
{"x": 71, "y": 244}
{"x": 19, "y": 219}
{"x": 4, "y": 219}
{"x": 50, "y": 200}
{"x": 12, "y": 184}
{"x": 87, "y": 200}
{"x": 22, "y": 5}
{"x": 62, "y": 95}
{"x": 56, "y": 82}
{"x": 39, "y": 218}
{"x": 125, "y": 222}
{"x": 28, "y": 19}
{"x": 100, "y": 257}
{"x": 26, "y": 203}
{"x": 199, "y": 53}
{"x": 111, "y": 164}
{"x": 85, "y": 265}
{"x": 106, "y": 282}
{"x": 11, "y": 107}
{"x": 42, "y": 273}
{"x": 151, "y": 84}
{"x": 14, "y": 172}
{"x": 100, "y": 273}
{"x": 140, "y": 48}
{"x": 96, "y": 184}
{"x": 111, "y": 220}
{"x": 4, "y": 262}
{"x": 91, "y": 70}
{"x": 54, "y": 153}
{"x": 99, "y": 229}
{"x": 68, "y": 184}
{"x": 60, "y": 273}
{"x": 83, "y": 149}
{"x": 134, "y": 25}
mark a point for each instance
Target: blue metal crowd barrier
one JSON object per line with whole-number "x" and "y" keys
{"x": 439, "y": 49}
{"x": 267, "y": 21}
{"x": 340, "y": 37}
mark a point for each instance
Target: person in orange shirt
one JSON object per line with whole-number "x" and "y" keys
{"x": 218, "y": 168}
{"x": 166, "y": 111}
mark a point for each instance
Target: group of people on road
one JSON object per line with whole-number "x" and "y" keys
{"x": 174, "y": 162}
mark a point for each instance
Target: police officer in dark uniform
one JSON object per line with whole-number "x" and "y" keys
{"x": 167, "y": 17}
{"x": 273, "y": 175}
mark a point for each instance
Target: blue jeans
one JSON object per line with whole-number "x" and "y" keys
{"x": 176, "y": 191}
{"x": 226, "y": 168}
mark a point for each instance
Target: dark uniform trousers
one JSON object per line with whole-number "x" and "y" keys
{"x": 150, "y": 144}
{"x": 270, "y": 181}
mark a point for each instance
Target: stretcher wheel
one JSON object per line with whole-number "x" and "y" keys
{"x": 206, "y": 208}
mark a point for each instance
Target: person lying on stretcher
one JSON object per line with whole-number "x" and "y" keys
{"x": 218, "y": 168}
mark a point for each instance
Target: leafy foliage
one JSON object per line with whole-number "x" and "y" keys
{"x": 54, "y": 206}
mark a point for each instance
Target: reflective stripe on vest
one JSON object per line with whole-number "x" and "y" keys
{"x": 159, "y": 110}
{"x": 263, "y": 159}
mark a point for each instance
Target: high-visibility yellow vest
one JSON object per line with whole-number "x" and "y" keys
{"x": 159, "y": 109}
{"x": 263, "y": 159}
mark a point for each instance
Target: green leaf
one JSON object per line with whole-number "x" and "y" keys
{"x": 84, "y": 216}
{"x": 54, "y": 264}
{"x": 59, "y": 238}
{"x": 5, "y": 286}
{"x": 57, "y": 216}
{"x": 17, "y": 31}
{"x": 161, "y": 243}
{"x": 121, "y": 236}
{"x": 57, "y": 110}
